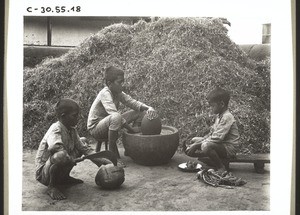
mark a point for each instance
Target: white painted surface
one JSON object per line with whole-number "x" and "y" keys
{"x": 71, "y": 31}
{"x": 247, "y": 30}
{"x": 35, "y": 31}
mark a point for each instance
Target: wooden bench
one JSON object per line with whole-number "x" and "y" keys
{"x": 258, "y": 160}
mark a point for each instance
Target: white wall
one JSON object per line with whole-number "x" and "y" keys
{"x": 242, "y": 30}
{"x": 247, "y": 30}
{"x": 66, "y": 31}
{"x": 35, "y": 31}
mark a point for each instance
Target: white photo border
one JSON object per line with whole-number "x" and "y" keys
{"x": 282, "y": 81}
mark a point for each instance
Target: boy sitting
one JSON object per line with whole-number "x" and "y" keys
{"x": 58, "y": 149}
{"x": 222, "y": 141}
{"x": 104, "y": 120}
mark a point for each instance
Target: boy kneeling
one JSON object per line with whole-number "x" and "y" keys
{"x": 222, "y": 141}
{"x": 58, "y": 149}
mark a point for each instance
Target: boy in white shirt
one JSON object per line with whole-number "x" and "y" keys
{"x": 104, "y": 120}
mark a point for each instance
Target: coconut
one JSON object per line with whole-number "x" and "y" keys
{"x": 110, "y": 176}
{"x": 151, "y": 126}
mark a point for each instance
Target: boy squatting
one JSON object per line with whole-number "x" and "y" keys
{"x": 104, "y": 120}
{"x": 222, "y": 141}
{"x": 59, "y": 147}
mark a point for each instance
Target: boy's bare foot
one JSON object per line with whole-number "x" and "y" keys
{"x": 71, "y": 180}
{"x": 126, "y": 153}
{"x": 55, "y": 194}
{"x": 226, "y": 164}
{"x": 121, "y": 163}
{"x": 207, "y": 162}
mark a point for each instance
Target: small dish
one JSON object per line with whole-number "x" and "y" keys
{"x": 183, "y": 167}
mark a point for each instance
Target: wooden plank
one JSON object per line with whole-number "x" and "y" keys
{"x": 264, "y": 158}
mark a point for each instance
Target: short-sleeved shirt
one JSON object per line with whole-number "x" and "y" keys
{"x": 62, "y": 138}
{"x": 106, "y": 104}
{"x": 225, "y": 131}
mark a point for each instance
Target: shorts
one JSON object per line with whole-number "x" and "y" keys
{"x": 100, "y": 131}
{"x": 42, "y": 174}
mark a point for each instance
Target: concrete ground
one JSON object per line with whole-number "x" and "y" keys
{"x": 154, "y": 188}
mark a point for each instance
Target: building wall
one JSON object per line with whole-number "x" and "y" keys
{"x": 35, "y": 31}
{"x": 266, "y": 33}
{"x": 70, "y": 31}
{"x": 247, "y": 30}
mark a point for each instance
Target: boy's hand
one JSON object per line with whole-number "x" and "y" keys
{"x": 151, "y": 113}
{"x": 130, "y": 129}
{"x": 194, "y": 141}
{"x": 204, "y": 145}
{"x": 197, "y": 139}
{"x": 71, "y": 160}
{"x": 101, "y": 161}
{"x": 197, "y": 144}
{"x": 135, "y": 130}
